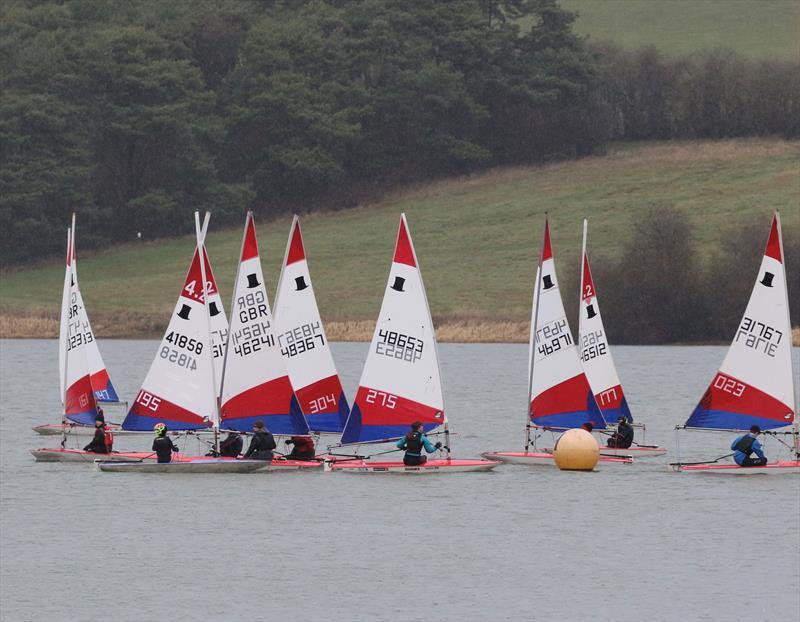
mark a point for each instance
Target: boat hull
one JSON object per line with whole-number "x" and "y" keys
{"x": 57, "y": 454}
{"x": 784, "y": 466}
{"x": 207, "y": 465}
{"x": 541, "y": 458}
{"x": 431, "y": 466}
{"x": 277, "y": 464}
{"x": 636, "y": 453}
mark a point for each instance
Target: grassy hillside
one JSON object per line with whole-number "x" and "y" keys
{"x": 477, "y": 238}
{"x": 755, "y": 28}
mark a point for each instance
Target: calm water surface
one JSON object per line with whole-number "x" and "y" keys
{"x": 519, "y": 543}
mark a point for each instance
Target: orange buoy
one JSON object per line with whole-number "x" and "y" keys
{"x": 576, "y": 450}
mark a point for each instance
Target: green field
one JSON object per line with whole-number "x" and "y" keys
{"x": 754, "y": 28}
{"x": 477, "y": 238}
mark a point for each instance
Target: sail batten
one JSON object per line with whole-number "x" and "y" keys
{"x": 755, "y": 384}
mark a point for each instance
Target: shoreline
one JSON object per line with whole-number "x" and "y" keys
{"x": 151, "y": 326}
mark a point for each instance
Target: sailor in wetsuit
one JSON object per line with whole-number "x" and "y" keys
{"x": 623, "y": 437}
{"x": 163, "y": 445}
{"x": 414, "y": 442}
{"x": 303, "y": 448}
{"x": 99, "y": 444}
{"x": 262, "y": 443}
{"x": 231, "y": 446}
{"x": 745, "y": 446}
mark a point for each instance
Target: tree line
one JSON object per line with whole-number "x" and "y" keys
{"x": 137, "y": 112}
{"x": 663, "y": 289}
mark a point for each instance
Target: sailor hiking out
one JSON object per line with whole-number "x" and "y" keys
{"x": 413, "y": 443}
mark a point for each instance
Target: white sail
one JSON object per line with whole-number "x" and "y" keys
{"x": 101, "y": 381}
{"x": 219, "y": 322}
{"x": 304, "y": 344}
{"x": 179, "y": 388}
{"x": 594, "y": 349}
{"x": 256, "y": 384}
{"x": 560, "y": 395}
{"x": 755, "y": 384}
{"x": 401, "y": 382}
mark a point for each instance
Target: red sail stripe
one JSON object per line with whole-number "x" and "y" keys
{"x": 382, "y": 408}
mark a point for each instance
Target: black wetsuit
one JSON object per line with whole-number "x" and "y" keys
{"x": 98, "y": 444}
{"x": 261, "y": 446}
{"x": 163, "y": 446}
{"x": 623, "y": 437}
{"x": 231, "y": 446}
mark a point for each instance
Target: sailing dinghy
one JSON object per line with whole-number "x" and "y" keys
{"x": 598, "y": 364}
{"x": 255, "y": 382}
{"x": 755, "y": 384}
{"x": 304, "y": 344}
{"x": 559, "y": 395}
{"x": 401, "y": 382}
{"x": 78, "y": 365}
{"x": 77, "y": 347}
{"x": 180, "y": 389}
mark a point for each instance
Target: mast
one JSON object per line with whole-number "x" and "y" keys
{"x": 796, "y": 425}
{"x": 532, "y": 348}
{"x": 201, "y": 249}
{"x": 64, "y": 336}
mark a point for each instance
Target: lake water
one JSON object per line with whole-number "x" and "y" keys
{"x": 519, "y": 543}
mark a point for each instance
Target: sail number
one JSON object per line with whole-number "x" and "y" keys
{"x": 148, "y": 400}
{"x": 321, "y": 403}
{"x": 196, "y": 292}
{"x": 181, "y": 359}
{"x": 593, "y": 344}
{"x": 729, "y": 385}
{"x": 182, "y": 341}
{"x": 250, "y": 339}
{"x": 759, "y": 336}
{"x": 399, "y": 346}
{"x": 380, "y": 397}
{"x": 252, "y": 306}
{"x": 79, "y": 334}
{"x": 301, "y": 339}
{"x": 550, "y": 337}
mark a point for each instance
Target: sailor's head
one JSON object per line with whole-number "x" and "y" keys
{"x": 588, "y": 426}
{"x": 754, "y": 429}
{"x": 623, "y": 418}
{"x": 416, "y": 426}
{"x": 160, "y": 429}
{"x": 258, "y": 426}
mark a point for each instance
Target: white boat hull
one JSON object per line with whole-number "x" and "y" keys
{"x": 636, "y": 453}
{"x": 776, "y": 468}
{"x": 538, "y": 458}
{"x": 209, "y": 465}
{"x": 56, "y": 454}
{"x": 431, "y": 466}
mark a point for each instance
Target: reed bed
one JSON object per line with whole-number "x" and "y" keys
{"x": 151, "y": 325}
